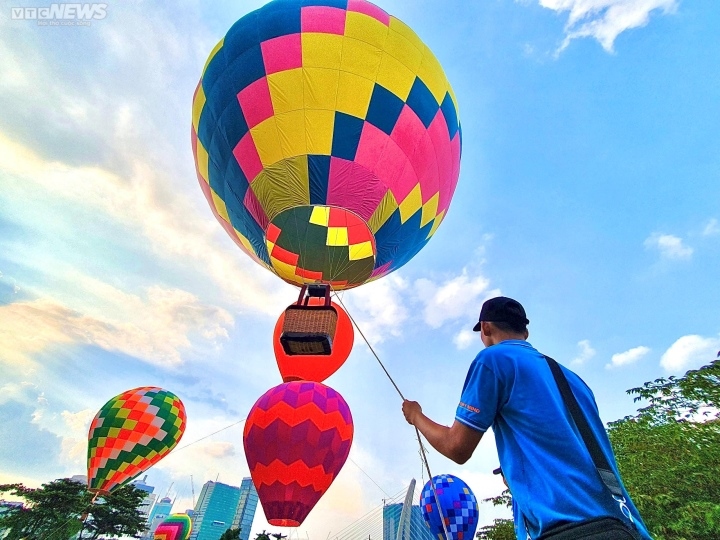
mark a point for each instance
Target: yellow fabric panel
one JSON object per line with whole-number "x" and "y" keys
{"x": 282, "y": 185}
{"x": 354, "y": 93}
{"x": 202, "y": 161}
{"x": 284, "y": 270}
{"x": 286, "y": 90}
{"x": 320, "y": 88}
{"x": 319, "y": 131}
{"x": 337, "y": 236}
{"x": 360, "y": 58}
{"x": 429, "y": 210}
{"x": 215, "y": 50}
{"x": 220, "y": 207}
{"x": 438, "y": 221}
{"x": 411, "y": 204}
{"x": 267, "y": 141}
{"x": 321, "y": 50}
{"x": 454, "y": 100}
{"x": 361, "y": 251}
{"x": 432, "y": 74}
{"x": 320, "y": 215}
{"x": 197, "y": 107}
{"x": 365, "y": 28}
{"x": 396, "y": 25}
{"x": 245, "y": 242}
{"x": 394, "y": 76}
{"x": 404, "y": 50}
{"x": 382, "y": 213}
{"x": 291, "y": 130}
{"x": 114, "y": 432}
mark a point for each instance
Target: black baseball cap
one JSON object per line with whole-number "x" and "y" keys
{"x": 502, "y": 309}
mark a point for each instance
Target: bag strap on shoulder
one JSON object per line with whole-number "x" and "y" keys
{"x": 601, "y": 463}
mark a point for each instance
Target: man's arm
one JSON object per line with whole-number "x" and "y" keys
{"x": 457, "y": 442}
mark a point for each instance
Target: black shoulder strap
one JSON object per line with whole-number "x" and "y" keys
{"x": 601, "y": 463}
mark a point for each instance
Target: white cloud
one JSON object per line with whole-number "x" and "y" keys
{"x": 457, "y": 297}
{"x": 379, "y": 308}
{"x": 605, "y": 20}
{"x": 156, "y": 328}
{"x": 465, "y": 338}
{"x": 585, "y": 354}
{"x": 670, "y": 247}
{"x": 712, "y": 228}
{"x": 628, "y": 357}
{"x": 689, "y": 352}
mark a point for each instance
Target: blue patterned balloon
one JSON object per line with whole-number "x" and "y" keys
{"x": 458, "y": 505}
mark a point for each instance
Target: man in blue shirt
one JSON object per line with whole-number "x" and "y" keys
{"x": 546, "y": 465}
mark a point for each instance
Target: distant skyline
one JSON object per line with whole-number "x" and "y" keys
{"x": 588, "y": 190}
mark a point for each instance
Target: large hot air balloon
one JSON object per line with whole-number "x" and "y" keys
{"x": 326, "y": 140}
{"x": 175, "y": 527}
{"x": 130, "y": 434}
{"x": 458, "y": 506}
{"x": 296, "y": 438}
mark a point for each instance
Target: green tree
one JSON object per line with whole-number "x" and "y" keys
{"x": 668, "y": 454}
{"x": 231, "y": 534}
{"x": 501, "y": 529}
{"x": 61, "y": 509}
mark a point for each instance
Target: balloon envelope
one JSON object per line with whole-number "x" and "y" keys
{"x": 175, "y": 527}
{"x": 130, "y": 433}
{"x": 296, "y": 438}
{"x": 457, "y": 503}
{"x": 326, "y": 140}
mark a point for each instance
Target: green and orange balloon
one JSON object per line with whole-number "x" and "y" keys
{"x": 130, "y": 434}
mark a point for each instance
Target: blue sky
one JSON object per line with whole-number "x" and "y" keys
{"x": 588, "y": 191}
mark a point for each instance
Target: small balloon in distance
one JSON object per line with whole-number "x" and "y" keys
{"x": 458, "y": 506}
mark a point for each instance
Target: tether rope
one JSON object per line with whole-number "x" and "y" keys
{"x": 417, "y": 431}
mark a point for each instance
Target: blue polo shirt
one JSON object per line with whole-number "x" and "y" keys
{"x": 552, "y": 478}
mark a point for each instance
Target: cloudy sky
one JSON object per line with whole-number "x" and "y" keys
{"x": 589, "y": 191}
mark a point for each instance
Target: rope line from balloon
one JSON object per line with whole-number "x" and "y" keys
{"x": 417, "y": 431}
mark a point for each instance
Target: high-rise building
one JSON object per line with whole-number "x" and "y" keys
{"x": 221, "y": 507}
{"x": 247, "y": 505}
{"x": 416, "y": 529}
{"x": 159, "y": 512}
{"x": 147, "y": 504}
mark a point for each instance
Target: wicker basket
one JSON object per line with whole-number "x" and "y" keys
{"x": 309, "y": 330}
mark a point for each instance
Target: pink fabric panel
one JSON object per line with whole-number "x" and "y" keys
{"x": 281, "y": 53}
{"x": 381, "y": 270}
{"x": 438, "y": 132}
{"x": 247, "y": 157}
{"x": 354, "y": 187}
{"x": 361, "y": 6}
{"x": 255, "y": 209}
{"x": 389, "y": 168}
{"x": 371, "y": 146}
{"x": 408, "y": 180}
{"x": 255, "y": 102}
{"x": 425, "y": 164}
{"x": 407, "y": 131}
{"x": 327, "y": 20}
{"x": 448, "y": 188}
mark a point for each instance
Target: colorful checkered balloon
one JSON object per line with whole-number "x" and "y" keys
{"x": 458, "y": 506}
{"x": 326, "y": 140}
{"x": 175, "y": 527}
{"x": 296, "y": 438}
{"x": 130, "y": 434}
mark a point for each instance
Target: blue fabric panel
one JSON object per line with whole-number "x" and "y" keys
{"x": 243, "y": 35}
{"x": 319, "y": 173}
{"x": 342, "y": 4}
{"x": 346, "y": 135}
{"x": 206, "y": 126}
{"x": 387, "y": 241}
{"x": 278, "y": 19}
{"x": 240, "y": 218}
{"x": 242, "y": 71}
{"x": 450, "y": 114}
{"x": 384, "y": 109}
{"x": 214, "y": 71}
{"x": 422, "y": 102}
{"x": 398, "y": 242}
